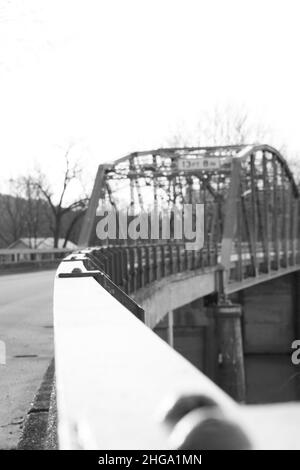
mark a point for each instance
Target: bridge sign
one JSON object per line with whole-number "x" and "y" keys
{"x": 202, "y": 163}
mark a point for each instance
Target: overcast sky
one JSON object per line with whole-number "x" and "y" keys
{"x": 117, "y": 76}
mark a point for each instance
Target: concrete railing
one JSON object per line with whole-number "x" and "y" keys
{"x": 119, "y": 386}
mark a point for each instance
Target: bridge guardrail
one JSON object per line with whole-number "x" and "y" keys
{"x": 134, "y": 267}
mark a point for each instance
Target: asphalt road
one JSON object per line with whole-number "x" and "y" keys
{"x": 26, "y": 327}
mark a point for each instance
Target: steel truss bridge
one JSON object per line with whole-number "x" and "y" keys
{"x": 251, "y": 234}
{"x": 251, "y": 213}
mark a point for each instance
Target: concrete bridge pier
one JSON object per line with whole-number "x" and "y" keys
{"x": 208, "y": 333}
{"x": 230, "y": 368}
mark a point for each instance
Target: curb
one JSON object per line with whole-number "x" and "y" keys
{"x": 34, "y": 434}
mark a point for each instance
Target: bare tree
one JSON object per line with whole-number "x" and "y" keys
{"x": 223, "y": 126}
{"x": 34, "y": 215}
{"x": 58, "y": 207}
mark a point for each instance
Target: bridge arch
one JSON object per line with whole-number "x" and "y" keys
{"x": 262, "y": 213}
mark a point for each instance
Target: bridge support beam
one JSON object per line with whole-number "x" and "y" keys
{"x": 231, "y": 370}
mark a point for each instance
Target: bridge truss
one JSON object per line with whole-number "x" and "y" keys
{"x": 251, "y": 212}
